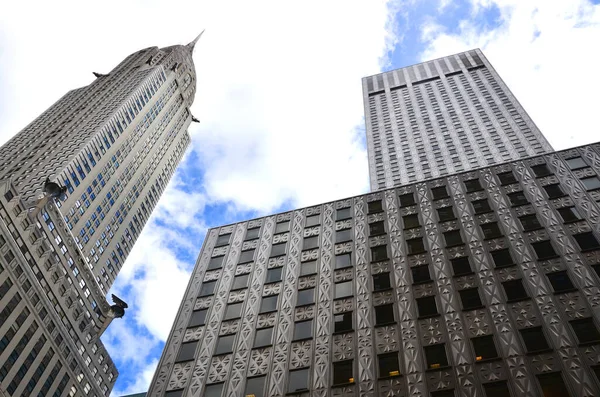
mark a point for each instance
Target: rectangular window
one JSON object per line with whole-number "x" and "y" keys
{"x": 502, "y": 258}
{"x": 436, "y": 356}
{"x": 263, "y": 337}
{"x": 198, "y": 318}
{"x": 473, "y": 185}
{"x": 376, "y": 228}
{"x": 313, "y": 220}
{"x": 411, "y": 221}
{"x": 530, "y": 222}
{"x": 303, "y": 330}
{"x": 388, "y": 365}
{"x": 415, "y": 245}
{"x": 569, "y": 214}
{"x": 298, "y": 380}
{"x": 481, "y": 206}
{"x": 379, "y": 253}
{"x": 306, "y": 297}
{"x": 407, "y": 199}
{"x": 426, "y": 306}
{"x": 576, "y": 163}
{"x": 490, "y": 230}
{"x": 507, "y": 178}
{"x": 453, "y": 238}
{"x": 534, "y": 339}
{"x": 342, "y": 372}
{"x": 186, "y": 352}
{"x": 282, "y": 227}
{"x": 420, "y": 274}
{"x": 514, "y": 290}
{"x": 255, "y": 386}
{"x": 591, "y": 183}
{"x": 342, "y": 261}
{"x": 214, "y": 390}
{"x": 234, "y": 310}
{"x": 461, "y": 266}
{"x": 278, "y": 249}
{"x": 246, "y": 256}
{"x": 343, "y": 213}
{"x": 208, "y": 288}
{"x": 484, "y": 348}
{"x": 223, "y": 240}
{"x": 215, "y": 263}
{"x": 375, "y": 206}
{"x": 252, "y": 234}
{"x": 307, "y": 268}
{"x": 560, "y": 282}
{"x": 381, "y": 282}
{"x": 225, "y": 344}
{"x": 496, "y": 389}
{"x": 268, "y": 304}
{"x": 342, "y": 290}
{"x": 541, "y": 170}
{"x": 586, "y": 241}
{"x": 274, "y": 275}
{"x": 544, "y": 250}
{"x": 586, "y": 330}
{"x": 470, "y": 299}
{"x": 342, "y": 322}
{"x": 384, "y": 314}
{"x": 446, "y": 214}
{"x": 554, "y": 191}
{"x": 240, "y": 281}
{"x": 310, "y": 242}
{"x": 517, "y": 198}
{"x": 342, "y": 236}
{"x": 439, "y": 192}
{"x": 553, "y": 385}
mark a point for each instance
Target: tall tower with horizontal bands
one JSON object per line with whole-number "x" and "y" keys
{"x": 113, "y": 147}
{"x": 444, "y": 116}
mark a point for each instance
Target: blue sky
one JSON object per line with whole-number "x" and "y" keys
{"x": 279, "y": 99}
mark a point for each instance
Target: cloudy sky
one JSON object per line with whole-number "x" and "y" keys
{"x": 279, "y": 97}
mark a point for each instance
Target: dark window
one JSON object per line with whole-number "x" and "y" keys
{"x": 208, "y": 288}
{"x": 307, "y": 268}
{"x": 306, "y": 297}
{"x": 388, "y": 365}
{"x": 268, "y": 304}
{"x": 379, "y": 253}
{"x": 381, "y": 281}
{"x": 517, "y": 198}
{"x": 342, "y": 322}
{"x": 470, "y": 298}
{"x": 415, "y": 245}
{"x": 343, "y": 213}
{"x": 225, "y": 344}
{"x": 376, "y": 228}
{"x": 313, "y": 220}
{"x": 186, "y": 352}
{"x": 263, "y": 337}
{"x": 461, "y": 266}
{"x": 436, "y": 356}
{"x": 384, "y": 314}
{"x": 298, "y": 380}
{"x": 439, "y": 192}
{"x": 310, "y": 242}
{"x": 507, "y": 178}
{"x": 484, "y": 348}
{"x": 427, "y": 306}
{"x": 446, "y": 214}
{"x": 343, "y": 235}
{"x": 560, "y": 281}
{"x": 252, "y": 234}
{"x": 274, "y": 275}
{"x": 544, "y": 250}
{"x": 246, "y": 256}
{"x": 502, "y": 258}
{"x": 240, "y": 281}
{"x": 591, "y": 183}
{"x": 234, "y": 310}
{"x": 343, "y": 260}
{"x": 541, "y": 170}
{"x": 481, "y": 206}
{"x": 342, "y": 290}
{"x": 303, "y": 330}
{"x": 530, "y": 222}
{"x": 473, "y": 185}
{"x": 586, "y": 241}
{"x": 375, "y": 206}
{"x": 534, "y": 339}
{"x": 198, "y": 318}
{"x": 569, "y": 214}
{"x": 411, "y": 221}
{"x": 342, "y": 372}
{"x": 420, "y": 274}
{"x": 596, "y": 369}
{"x": 223, "y": 240}
{"x": 453, "y": 238}
{"x": 514, "y": 290}
{"x": 278, "y": 249}
{"x": 171, "y": 393}
{"x": 490, "y": 230}
{"x": 554, "y": 191}
{"x": 255, "y": 386}
{"x": 213, "y": 390}
{"x": 553, "y": 385}
{"x": 596, "y": 269}
{"x": 576, "y": 163}
{"x": 443, "y": 393}
{"x": 282, "y": 227}
{"x": 496, "y": 389}
{"x": 585, "y": 330}
{"x": 407, "y": 199}
{"x": 215, "y": 263}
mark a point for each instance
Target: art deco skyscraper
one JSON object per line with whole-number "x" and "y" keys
{"x": 479, "y": 283}
{"x": 113, "y": 146}
{"x": 444, "y": 116}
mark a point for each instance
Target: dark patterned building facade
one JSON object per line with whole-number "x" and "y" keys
{"x": 441, "y": 117}
{"x": 114, "y": 146}
{"x": 481, "y": 283}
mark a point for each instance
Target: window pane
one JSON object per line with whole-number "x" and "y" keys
{"x": 343, "y": 260}
{"x": 252, "y": 234}
{"x": 313, "y": 220}
{"x": 453, "y": 238}
{"x": 553, "y": 385}
{"x": 481, "y": 206}
{"x": 342, "y": 322}
{"x": 223, "y": 240}
{"x": 591, "y": 183}
{"x": 268, "y": 304}
{"x": 517, "y": 198}
{"x": 496, "y": 389}
{"x": 420, "y": 274}
{"x": 491, "y": 230}
{"x": 240, "y": 281}
{"x": 384, "y": 314}
{"x": 470, "y": 298}
{"x": 343, "y": 290}
{"x": 278, "y": 249}
{"x": 439, "y": 192}
{"x": 343, "y": 235}
{"x": 560, "y": 281}
{"x": 213, "y": 390}
{"x": 308, "y": 268}
{"x": 445, "y": 214}
{"x": 554, "y": 191}
{"x": 186, "y": 351}
{"x": 586, "y": 241}
{"x": 473, "y": 185}
{"x": 215, "y": 263}
{"x": 310, "y": 242}
{"x": 502, "y": 258}
{"x": 306, "y": 297}
{"x": 484, "y": 347}
{"x": 298, "y": 380}
{"x": 411, "y": 221}
{"x": 375, "y": 206}
{"x": 514, "y": 290}
{"x": 461, "y": 266}
{"x": 427, "y": 306}
{"x": 282, "y": 227}
{"x": 388, "y": 365}
{"x": 530, "y": 222}
{"x": 541, "y": 170}
{"x": 569, "y": 214}
{"x": 263, "y": 337}
{"x": 407, "y": 199}
{"x": 381, "y": 281}
{"x": 198, "y": 318}
{"x": 225, "y": 344}
{"x": 376, "y": 228}
{"x": 507, "y": 178}
{"x": 303, "y": 329}
{"x": 576, "y": 163}
{"x": 379, "y": 253}
{"x": 342, "y": 372}
{"x": 534, "y": 339}
{"x": 436, "y": 356}
{"x": 246, "y": 256}
{"x": 234, "y": 310}
{"x": 208, "y": 288}
{"x": 585, "y": 329}
{"x": 415, "y": 245}
{"x": 343, "y": 213}
{"x": 255, "y": 386}
{"x": 544, "y": 250}
{"x": 274, "y": 275}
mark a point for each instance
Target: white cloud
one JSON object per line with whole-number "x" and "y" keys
{"x": 546, "y": 53}
{"x": 141, "y": 383}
